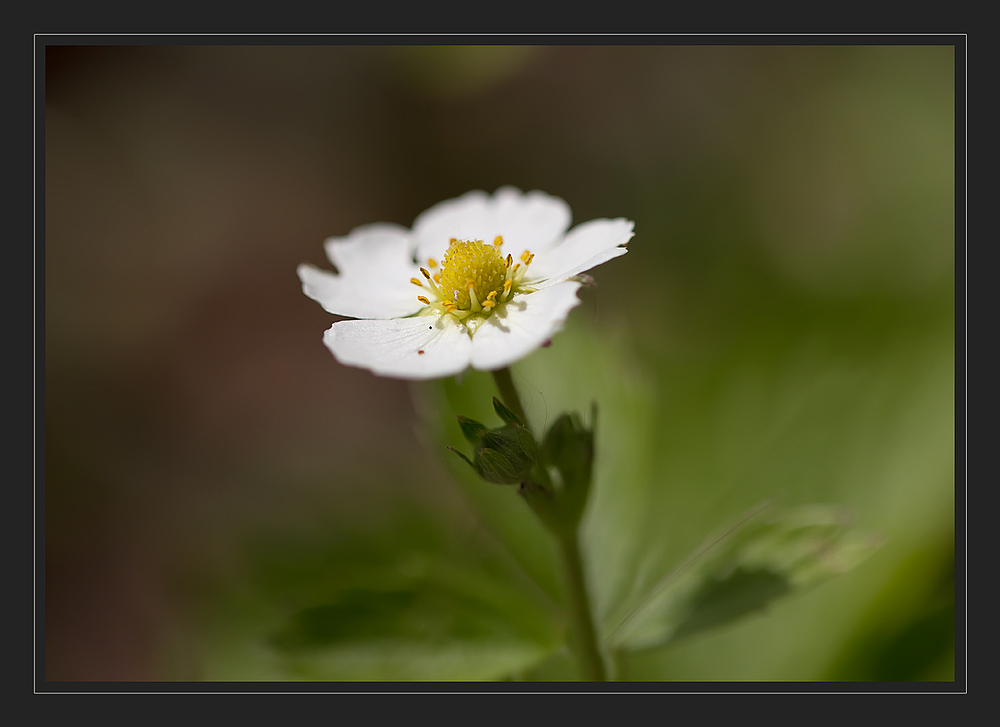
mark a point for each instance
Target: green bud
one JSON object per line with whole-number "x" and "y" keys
{"x": 569, "y": 447}
{"x": 499, "y": 455}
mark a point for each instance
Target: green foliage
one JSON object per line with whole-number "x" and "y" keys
{"x": 678, "y": 451}
{"x": 413, "y": 604}
{"x": 743, "y": 572}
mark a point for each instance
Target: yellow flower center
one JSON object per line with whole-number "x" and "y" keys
{"x": 473, "y": 280}
{"x": 471, "y": 269}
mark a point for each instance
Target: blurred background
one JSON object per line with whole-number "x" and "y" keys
{"x": 783, "y": 326}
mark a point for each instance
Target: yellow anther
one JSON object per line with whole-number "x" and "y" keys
{"x": 453, "y": 241}
{"x": 498, "y": 241}
{"x": 510, "y": 260}
{"x": 416, "y": 281}
{"x": 431, "y": 262}
{"x": 492, "y": 295}
{"x": 425, "y": 273}
{"x": 527, "y": 257}
{"x": 507, "y": 284}
{"x": 437, "y": 276}
{"x": 423, "y": 300}
{"x": 488, "y": 304}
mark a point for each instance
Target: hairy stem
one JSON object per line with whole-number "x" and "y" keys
{"x": 508, "y": 393}
{"x": 582, "y": 621}
{"x": 584, "y": 635}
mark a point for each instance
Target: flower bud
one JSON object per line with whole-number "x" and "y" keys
{"x": 499, "y": 455}
{"x": 569, "y": 447}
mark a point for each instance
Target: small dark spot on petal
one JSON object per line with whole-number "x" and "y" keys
{"x": 420, "y": 352}
{"x": 547, "y": 343}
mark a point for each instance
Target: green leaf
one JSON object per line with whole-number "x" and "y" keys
{"x": 766, "y": 557}
{"x": 407, "y": 601}
{"x": 442, "y": 624}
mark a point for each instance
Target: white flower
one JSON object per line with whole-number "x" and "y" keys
{"x": 496, "y": 277}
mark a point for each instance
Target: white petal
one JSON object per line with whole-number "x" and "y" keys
{"x": 375, "y": 265}
{"x": 524, "y": 324}
{"x": 586, "y": 246}
{"x": 534, "y": 221}
{"x": 423, "y": 347}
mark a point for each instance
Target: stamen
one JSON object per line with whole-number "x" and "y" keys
{"x": 430, "y": 283}
{"x": 471, "y": 286}
{"x": 498, "y": 241}
{"x": 508, "y": 284}
{"x": 431, "y": 263}
{"x": 510, "y": 260}
{"x": 423, "y": 300}
{"x": 416, "y": 282}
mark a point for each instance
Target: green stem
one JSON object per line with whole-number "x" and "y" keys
{"x": 584, "y": 635}
{"x": 581, "y": 619}
{"x": 508, "y": 393}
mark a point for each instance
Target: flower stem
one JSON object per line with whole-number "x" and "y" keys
{"x": 583, "y": 633}
{"x": 582, "y": 622}
{"x": 508, "y": 393}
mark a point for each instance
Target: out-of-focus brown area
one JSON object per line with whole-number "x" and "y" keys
{"x": 188, "y": 396}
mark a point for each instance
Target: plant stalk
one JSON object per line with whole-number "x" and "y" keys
{"x": 581, "y": 620}
{"x": 508, "y": 393}
{"x": 583, "y": 633}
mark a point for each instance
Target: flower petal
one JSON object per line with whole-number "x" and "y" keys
{"x": 523, "y": 324}
{"x": 422, "y": 347}
{"x": 375, "y": 265}
{"x": 586, "y": 246}
{"x": 534, "y": 221}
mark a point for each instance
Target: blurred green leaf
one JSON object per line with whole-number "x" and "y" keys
{"x": 404, "y": 602}
{"x": 741, "y": 572}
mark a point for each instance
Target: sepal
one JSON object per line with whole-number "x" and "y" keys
{"x": 504, "y": 455}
